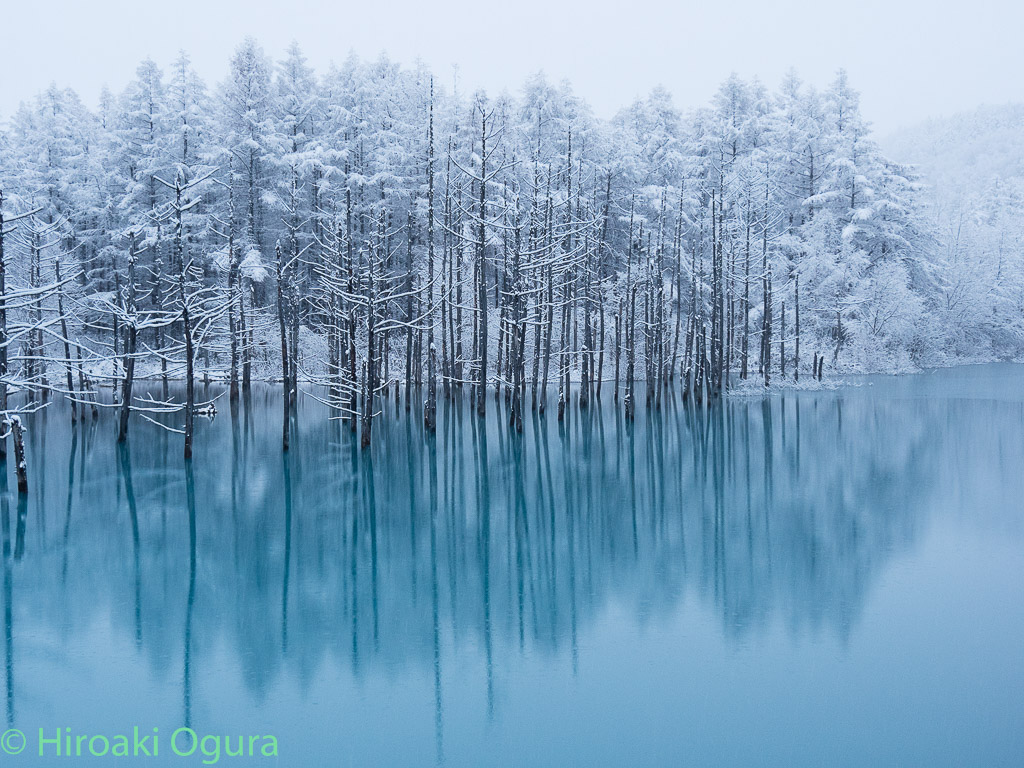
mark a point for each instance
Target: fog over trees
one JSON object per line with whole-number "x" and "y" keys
{"x": 973, "y": 166}
{"x": 365, "y": 233}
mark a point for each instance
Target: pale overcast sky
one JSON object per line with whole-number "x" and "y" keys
{"x": 910, "y": 60}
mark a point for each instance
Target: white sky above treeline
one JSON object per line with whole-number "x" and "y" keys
{"x": 911, "y": 59}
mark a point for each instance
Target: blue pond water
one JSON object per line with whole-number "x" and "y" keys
{"x": 831, "y": 578}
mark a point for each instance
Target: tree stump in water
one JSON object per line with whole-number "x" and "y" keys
{"x": 18, "y": 435}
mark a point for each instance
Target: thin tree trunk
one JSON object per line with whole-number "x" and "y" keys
{"x": 285, "y": 379}
{"x": 130, "y": 344}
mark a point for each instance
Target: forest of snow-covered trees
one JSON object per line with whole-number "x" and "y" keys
{"x": 370, "y": 231}
{"x": 973, "y": 167}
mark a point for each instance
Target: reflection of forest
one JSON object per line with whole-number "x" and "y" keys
{"x": 765, "y": 509}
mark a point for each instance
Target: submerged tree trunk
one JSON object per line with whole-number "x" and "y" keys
{"x": 796, "y": 310}
{"x": 234, "y": 295}
{"x": 430, "y": 409}
{"x": 481, "y": 402}
{"x": 186, "y": 314}
{"x": 782, "y": 341}
{"x": 282, "y": 322}
{"x": 629, "y": 402}
{"x": 3, "y": 328}
{"x": 18, "y": 436}
{"x": 66, "y": 341}
{"x": 130, "y": 344}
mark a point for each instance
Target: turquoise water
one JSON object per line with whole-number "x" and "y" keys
{"x": 832, "y": 578}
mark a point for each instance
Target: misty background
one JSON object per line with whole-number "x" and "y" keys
{"x": 910, "y": 60}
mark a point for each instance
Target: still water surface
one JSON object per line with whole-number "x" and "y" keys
{"x": 829, "y": 578}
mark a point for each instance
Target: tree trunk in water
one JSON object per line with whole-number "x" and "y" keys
{"x": 282, "y": 322}
{"x": 629, "y": 402}
{"x": 186, "y": 318}
{"x": 233, "y": 292}
{"x": 368, "y": 398}
{"x": 782, "y": 341}
{"x": 481, "y": 401}
{"x": 246, "y": 341}
{"x": 430, "y": 411}
{"x": 563, "y": 364}
{"x": 3, "y": 328}
{"x": 408, "y": 315}
{"x": 67, "y": 343}
{"x": 130, "y": 345}
{"x": 18, "y": 436}
{"x": 796, "y": 309}
{"x": 547, "y": 341}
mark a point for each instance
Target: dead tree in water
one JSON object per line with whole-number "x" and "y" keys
{"x": 17, "y": 430}
{"x": 285, "y": 378}
{"x": 131, "y": 341}
{"x": 37, "y": 239}
{"x": 629, "y": 323}
{"x": 517, "y": 351}
{"x": 430, "y": 407}
{"x": 766, "y": 290}
{"x": 370, "y": 292}
{"x": 29, "y": 304}
{"x": 3, "y": 325}
{"x": 235, "y": 299}
{"x": 410, "y": 328}
{"x": 481, "y": 269}
{"x": 193, "y": 306}
{"x": 629, "y": 402}
{"x": 477, "y": 240}
{"x": 65, "y": 339}
{"x": 5, "y": 298}
{"x": 186, "y": 314}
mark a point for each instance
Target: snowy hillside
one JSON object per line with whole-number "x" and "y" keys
{"x": 965, "y": 153}
{"x": 971, "y": 167}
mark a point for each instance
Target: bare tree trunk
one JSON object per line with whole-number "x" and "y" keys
{"x": 766, "y": 324}
{"x": 782, "y": 341}
{"x": 481, "y": 402}
{"x": 547, "y": 340}
{"x": 563, "y": 358}
{"x": 600, "y": 354}
{"x": 285, "y": 378}
{"x": 3, "y": 328}
{"x": 430, "y": 410}
{"x": 247, "y": 339}
{"x": 18, "y": 436}
{"x": 369, "y": 385}
{"x": 408, "y": 315}
{"x": 352, "y": 372}
{"x": 630, "y": 399}
{"x": 619, "y": 322}
{"x": 746, "y": 302}
{"x": 67, "y": 342}
{"x": 839, "y": 336}
{"x": 234, "y": 295}
{"x": 130, "y": 343}
{"x": 190, "y": 383}
{"x": 796, "y": 309}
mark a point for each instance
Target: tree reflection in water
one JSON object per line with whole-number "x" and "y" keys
{"x": 781, "y": 509}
